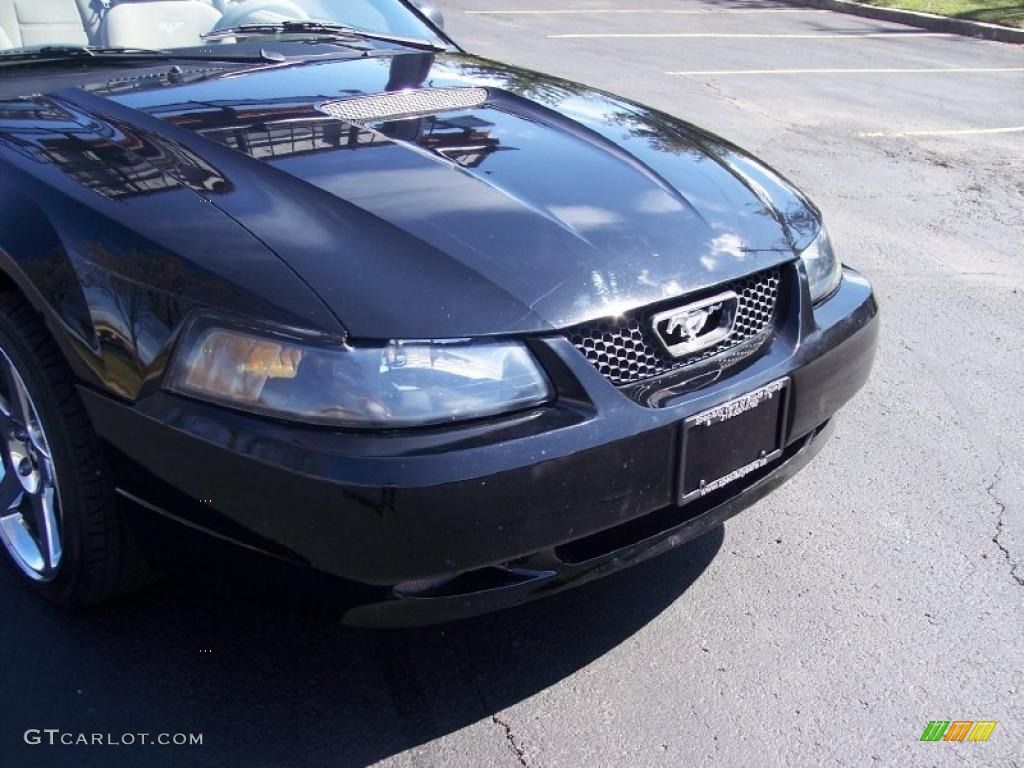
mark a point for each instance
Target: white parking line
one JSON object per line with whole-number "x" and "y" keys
{"x": 955, "y": 132}
{"x": 675, "y": 11}
{"x": 878, "y": 71}
{"x": 746, "y": 35}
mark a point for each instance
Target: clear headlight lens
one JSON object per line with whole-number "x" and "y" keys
{"x": 397, "y": 384}
{"x": 823, "y": 268}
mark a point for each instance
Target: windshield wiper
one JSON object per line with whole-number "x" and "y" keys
{"x": 69, "y": 51}
{"x": 94, "y": 54}
{"x": 323, "y": 29}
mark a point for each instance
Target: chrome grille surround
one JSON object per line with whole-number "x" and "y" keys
{"x": 625, "y": 349}
{"x": 395, "y": 105}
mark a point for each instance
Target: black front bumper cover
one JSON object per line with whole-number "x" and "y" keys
{"x": 430, "y": 525}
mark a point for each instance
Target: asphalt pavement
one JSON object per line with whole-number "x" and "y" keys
{"x": 880, "y": 589}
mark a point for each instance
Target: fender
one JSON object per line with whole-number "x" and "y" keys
{"x": 33, "y": 259}
{"x": 95, "y": 216}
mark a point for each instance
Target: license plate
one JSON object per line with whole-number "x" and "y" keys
{"x": 729, "y": 441}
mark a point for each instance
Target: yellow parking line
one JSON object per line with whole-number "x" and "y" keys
{"x": 954, "y": 132}
{"x": 878, "y": 71}
{"x": 746, "y": 35}
{"x": 675, "y": 11}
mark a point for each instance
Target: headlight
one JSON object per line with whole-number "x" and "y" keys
{"x": 823, "y": 268}
{"x": 394, "y": 384}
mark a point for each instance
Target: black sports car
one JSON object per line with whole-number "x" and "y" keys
{"x": 300, "y": 286}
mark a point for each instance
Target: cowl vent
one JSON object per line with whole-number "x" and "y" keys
{"x": 396, "y": 105}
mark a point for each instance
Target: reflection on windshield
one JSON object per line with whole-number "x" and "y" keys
{"x": 156, "y": 24}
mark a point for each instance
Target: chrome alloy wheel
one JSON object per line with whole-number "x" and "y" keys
{"x": 29, "y": 501}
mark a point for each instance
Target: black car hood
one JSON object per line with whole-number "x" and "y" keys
{"x": 545, "y": 205}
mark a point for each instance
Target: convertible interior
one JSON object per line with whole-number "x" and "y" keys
{"x": 158, "y": 23}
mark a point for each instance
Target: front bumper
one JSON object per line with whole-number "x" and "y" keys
{"x": 436, "y": 524}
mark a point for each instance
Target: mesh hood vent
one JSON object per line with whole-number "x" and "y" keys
{"x": 399, "y": 104}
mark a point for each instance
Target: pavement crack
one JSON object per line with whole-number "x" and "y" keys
{"x": 991, "y": 490}
{"x": 988, "y": 455}
{"x": 513, "y": 743}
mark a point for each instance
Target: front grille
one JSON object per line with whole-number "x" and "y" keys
{"x": 625, "y": 349}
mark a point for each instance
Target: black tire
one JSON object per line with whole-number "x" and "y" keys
{"x": 99, "y": 558}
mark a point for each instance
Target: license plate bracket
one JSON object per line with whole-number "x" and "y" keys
{"x": 731, "y": 440}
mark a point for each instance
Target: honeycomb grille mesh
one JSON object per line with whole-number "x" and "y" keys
{"x": 625, "y": 350}
{"x": 399, "y": 104}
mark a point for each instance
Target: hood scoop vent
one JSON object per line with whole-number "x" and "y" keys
{"x": 396, "y": 105}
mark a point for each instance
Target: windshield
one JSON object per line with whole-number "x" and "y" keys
{"x": 173, "y": 24}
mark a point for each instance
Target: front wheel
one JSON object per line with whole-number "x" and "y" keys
{"x": 58, "y": 519}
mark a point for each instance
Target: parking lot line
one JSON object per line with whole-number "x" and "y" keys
{"x": 674, "y": 11}
{"x": 953, "y": 132}
{"x": 851, "y": 71}
{"x": 895, "y": 35}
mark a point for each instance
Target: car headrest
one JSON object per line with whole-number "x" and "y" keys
{"x": 161, "y": 24}
{"x": 42, "y": 22}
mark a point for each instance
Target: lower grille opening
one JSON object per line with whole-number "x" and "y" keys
{"x": 480, "y": 580}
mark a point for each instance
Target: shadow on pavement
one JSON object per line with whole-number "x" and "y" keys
{"x": 284, "y": 688}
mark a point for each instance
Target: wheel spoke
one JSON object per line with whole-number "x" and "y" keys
{"x": 18, "y": 538}
{"x": 44, "y": 515}
{"x": 38, "y": 437}
{"x": 16, "y": 407}
{"x": 25, "y": 412}
{"x": 10, "y": 490}
{"x": 19, "y": 405}
{"x": 7, "y": 388}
